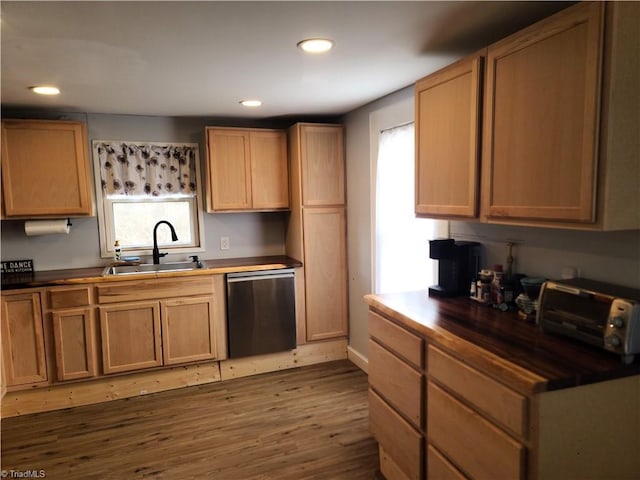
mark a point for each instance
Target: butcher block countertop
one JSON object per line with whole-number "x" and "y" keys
{"x": 94, "y": 275}
{"x": 503, "y": 345}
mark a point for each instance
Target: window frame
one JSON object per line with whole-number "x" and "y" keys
{"x": 104, "y": 208}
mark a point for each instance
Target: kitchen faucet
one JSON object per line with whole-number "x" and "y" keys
{"x": 156, "y": 252}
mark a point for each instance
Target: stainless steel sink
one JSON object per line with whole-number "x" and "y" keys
{"x": 148, "y": 268}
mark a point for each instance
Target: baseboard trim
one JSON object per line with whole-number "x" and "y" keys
{"x": 116, "y": 387}
{"x": 358, "y": 359}
{"x": 307, "y": 354}
{"x": 106, "y": 389}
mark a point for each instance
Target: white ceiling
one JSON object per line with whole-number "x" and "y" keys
{"x": 201, "y": 58}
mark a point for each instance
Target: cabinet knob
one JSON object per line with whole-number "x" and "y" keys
{"x": 613, "y": 340}
{"x": 617, "y": 322}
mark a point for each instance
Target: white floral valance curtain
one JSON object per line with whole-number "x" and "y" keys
{"x": 146, "y": 169}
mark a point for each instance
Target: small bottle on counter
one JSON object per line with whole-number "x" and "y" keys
{"x": 496, "y": 284}
{"x": 483, "y": 286}
{"x": 507, "y": 291}
{"x": 473, "y": 290}
{"x": 117, "y": 251}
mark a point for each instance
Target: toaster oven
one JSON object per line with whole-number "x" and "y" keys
{"x": 597, "y": 313}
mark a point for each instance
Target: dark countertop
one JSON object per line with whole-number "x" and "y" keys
{"x": 94, "y": 275}
{"x": 518, "y": 351}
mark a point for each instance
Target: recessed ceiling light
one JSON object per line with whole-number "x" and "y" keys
{"x": 251, "y": 103}
{"x": 316, "y": 45}
{"x": 45, "y": 90}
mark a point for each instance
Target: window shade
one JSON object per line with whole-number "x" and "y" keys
{"x": 147, "y": 169}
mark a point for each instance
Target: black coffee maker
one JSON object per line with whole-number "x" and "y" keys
{"x": 458, "y": 263}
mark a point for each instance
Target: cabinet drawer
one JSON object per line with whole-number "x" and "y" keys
{"x": 439, "y": 468}
{"x": 154, "y": 288}
{"x": 479, "y": 448}
{"x": 397, "y": 339}
{"x": 396, "y": 436}
{"x": 69, "y": 297}
{"x": 400, "y": 384}
{"x": 491, "y": 397}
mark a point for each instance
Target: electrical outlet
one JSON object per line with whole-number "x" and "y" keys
{"x": 224, "y": 243}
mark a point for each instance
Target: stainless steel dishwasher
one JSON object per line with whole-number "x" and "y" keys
{"x": 261, "y": 312}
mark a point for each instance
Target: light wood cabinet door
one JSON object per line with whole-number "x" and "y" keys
{"x": 45, "y": 169}
{"x": 404, "y": 344}
{"x": 325, "y": 272}
{"x": 475, "y": 445}
{"x": 541, "y": 119}
{"x": 439, "y": 468}
{"x": 74, "y": 343}
{"x": 130, "y": 336}
{"x": 505, "y": 406}
{"x": 188, "y": 330}
{"x": 247, "y": 169}
{"x": 229, "y": 169}
{"x": 322, "y": 158}
{"x": 269, "y": 169}
{"x": 403, "y": 443}
{"x": 448, "y": 112}
{"x": 399, "y": 384}
{"x": 23, "y": 339}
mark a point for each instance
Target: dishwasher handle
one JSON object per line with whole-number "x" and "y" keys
{"x": 260, "y": 275}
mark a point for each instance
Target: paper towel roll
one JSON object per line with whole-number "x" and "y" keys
{"x": 46, "y": 227}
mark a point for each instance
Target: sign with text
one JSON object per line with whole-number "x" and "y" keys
{"x": 17, "y": 266}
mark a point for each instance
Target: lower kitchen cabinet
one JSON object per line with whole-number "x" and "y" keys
{"x": 188, "y": 330}
{"x": 443, "y": 408}
{"x": 475, "y": 444}
{"x": 86, "y": 331}
{"x": 325, "y": 272}
{"x": 400, "y": 443}
{"x": 130, "y": 336}
{"x": 150, "y": 323}
{"x": 440, "y": 467}
{"x": 23, "y": 346}
{"x": 73, "y": 321}
{"x": 74, "y": 343}
{"x": 396, "y": 397}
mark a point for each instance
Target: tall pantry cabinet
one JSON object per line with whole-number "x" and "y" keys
{"x": 316, "y": 231}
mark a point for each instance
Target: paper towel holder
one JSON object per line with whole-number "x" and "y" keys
{"x": 37, "y": 227}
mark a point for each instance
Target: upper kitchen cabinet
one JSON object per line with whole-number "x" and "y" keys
{"x": 247, "y": 169}
{"x": 561, "y": 121}
{"x": 45, "y": 169}
{"x": 559, "y": 132}
{"x": 448, "y": 109}
{"x": 541, "y": 114}
{"x": 322, "y": 156}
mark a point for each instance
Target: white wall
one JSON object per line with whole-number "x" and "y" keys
{"x": 250, "y": 234}
{"x": 607, "y": 256}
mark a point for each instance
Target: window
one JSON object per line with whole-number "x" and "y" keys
{"x": 142, "y": 184}
{"x": 401, "y": 239}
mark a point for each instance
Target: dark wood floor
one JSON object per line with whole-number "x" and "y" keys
{"x": 305, "y": 423}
